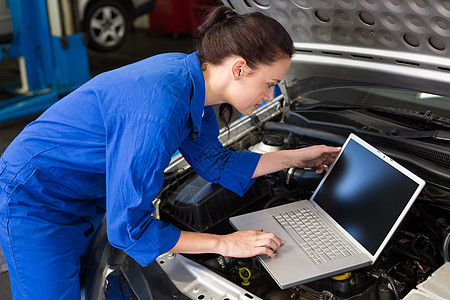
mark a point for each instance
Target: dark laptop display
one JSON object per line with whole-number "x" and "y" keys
{"x": 359, "y": 200}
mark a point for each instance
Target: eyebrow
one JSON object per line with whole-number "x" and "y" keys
{"x": 277, "y": 80}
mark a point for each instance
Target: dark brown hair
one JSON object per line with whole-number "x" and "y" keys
{"x": 257, "y": 38}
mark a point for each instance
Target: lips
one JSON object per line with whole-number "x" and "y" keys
{"x": 257, "y": 105}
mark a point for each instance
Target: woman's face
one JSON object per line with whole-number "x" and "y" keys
{"x": 252, "y": 87}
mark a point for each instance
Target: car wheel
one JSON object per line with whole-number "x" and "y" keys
{"x": 106, "y": 25}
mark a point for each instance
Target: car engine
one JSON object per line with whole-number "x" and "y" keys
{"x": 419, "y": 247}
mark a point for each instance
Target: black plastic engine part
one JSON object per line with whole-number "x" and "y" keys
{"x": 307, "y": 179}
{"x": 273, "y": 140}
{"x": 198, "y": 205}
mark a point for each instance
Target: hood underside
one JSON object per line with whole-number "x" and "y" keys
{"x": 400, "y": 44}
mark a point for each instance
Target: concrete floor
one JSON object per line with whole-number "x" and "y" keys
{"x": 141, "y": 44}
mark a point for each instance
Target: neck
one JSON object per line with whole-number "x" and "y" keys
{"x": 215, "y": 84}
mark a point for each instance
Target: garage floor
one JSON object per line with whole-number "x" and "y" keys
{"x": 140, "y": 44}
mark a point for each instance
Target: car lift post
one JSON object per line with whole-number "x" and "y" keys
{"x": 51, "y": 54}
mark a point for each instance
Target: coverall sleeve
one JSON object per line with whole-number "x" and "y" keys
{"x": 136, "y": 156}
{"x": 207, "y": 156}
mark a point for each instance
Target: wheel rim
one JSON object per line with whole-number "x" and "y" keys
{"x": 107, "y": 26}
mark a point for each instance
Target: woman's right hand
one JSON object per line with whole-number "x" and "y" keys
{"x": 249, "y": 243}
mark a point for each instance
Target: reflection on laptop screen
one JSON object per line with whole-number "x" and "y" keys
{"x": 362, "y": 189}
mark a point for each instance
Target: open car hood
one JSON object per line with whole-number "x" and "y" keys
{"x": 401, "y": 44}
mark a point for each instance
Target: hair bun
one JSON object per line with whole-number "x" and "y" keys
{"x": 218, "y": 16}
{"x": 229, "y": 13}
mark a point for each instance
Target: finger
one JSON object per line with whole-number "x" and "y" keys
{"x": 333, "y": 150}
{"x": 279, "y": 242}
{"x": 267, "y": 251}
{"x": 271, "y": 243}
{"x": 275, "y": 244}
{"x": 337, "y": 149}
{"x": 329, "y": 158}
{"x": 329, "y": 150}
{"x": 320, "y": 169}
{"x": 321, "y": 166}
{"x": 270, "y": 240}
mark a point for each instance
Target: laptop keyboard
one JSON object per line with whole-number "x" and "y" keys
{"x": 313, "y": 236}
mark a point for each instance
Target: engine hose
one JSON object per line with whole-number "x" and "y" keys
{"x": 393, "y": 286}
{"x": 446, "y": 248}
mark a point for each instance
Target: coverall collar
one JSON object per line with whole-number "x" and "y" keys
{"x": 198, "y": 93}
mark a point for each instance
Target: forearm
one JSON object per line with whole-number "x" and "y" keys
{"x": 195, "y": 242}
{"x": 272, "y": 162}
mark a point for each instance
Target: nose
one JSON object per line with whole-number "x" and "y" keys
{"x": 269, "y": 96}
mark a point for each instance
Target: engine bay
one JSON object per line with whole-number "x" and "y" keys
{"x": 418, "y": 248}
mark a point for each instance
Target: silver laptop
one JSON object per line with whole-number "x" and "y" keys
{"x": 347, "y": 222}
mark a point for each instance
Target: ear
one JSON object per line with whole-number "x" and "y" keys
{"x": 238, "y": 68}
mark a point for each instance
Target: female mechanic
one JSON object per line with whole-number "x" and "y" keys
{"x": 104, "y": 147}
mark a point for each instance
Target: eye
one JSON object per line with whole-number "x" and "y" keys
{"x": 271, "y": 85}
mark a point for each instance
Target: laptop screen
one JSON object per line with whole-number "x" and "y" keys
{"x": 365, "y": 194}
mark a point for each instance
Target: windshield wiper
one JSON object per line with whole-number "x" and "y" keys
{"x": 427, "y": 117}
{"x": 325, "y": 105}
{"x": 437, "y": 135}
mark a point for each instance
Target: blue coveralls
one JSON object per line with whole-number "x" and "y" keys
{"x": 104, "y": 147}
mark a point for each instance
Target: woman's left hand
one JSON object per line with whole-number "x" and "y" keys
{"x": 319, "y": 157}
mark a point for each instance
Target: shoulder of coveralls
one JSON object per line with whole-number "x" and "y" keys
{"x": 158, "y": 84}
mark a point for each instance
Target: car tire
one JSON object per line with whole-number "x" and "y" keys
{"x": 106, "y": 25}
